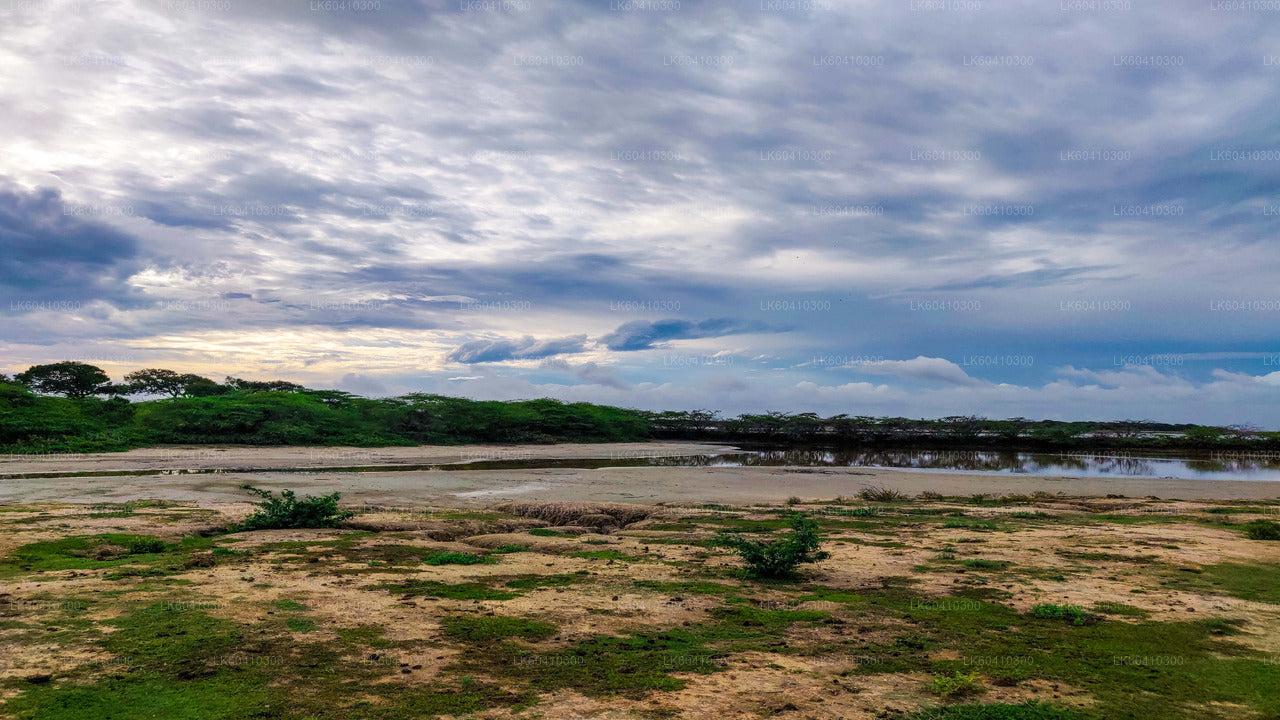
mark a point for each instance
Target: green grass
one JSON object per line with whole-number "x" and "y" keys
{"x": 603, "y": 555}
{"x": 548, "y": 532}
{"x": 297, "y": 624}
{"x": 638, "y": 663}
{"x": 1031, "y": 710}
{"x": 980, "y": 564}
{"x": 1256, "y": 583}
{"x": 695, "y": 587}
{"x": 1262, "y": 530}
{"x": 529, "y": 582}
{"x": 289, "y": 605}
{"x": 490, "y": 629}
{"x": 457, "y": 558}
{"x": 1135, "y": 670}
{"x": 457, "y": 591}
{"x": 77, "y": 553}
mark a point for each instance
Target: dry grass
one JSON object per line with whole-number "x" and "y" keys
{"x": 575, "y": 513}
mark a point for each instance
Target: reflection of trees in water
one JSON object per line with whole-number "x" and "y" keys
{"x": 1116, "y": 464}
{"x": 1113, "y": 464}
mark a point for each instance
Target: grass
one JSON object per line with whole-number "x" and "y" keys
{"x": 109, "y": 550}
{"x": 1262, "y": 530}
{"x": 490, "y": 629}
{"x": 603, "y": 555}
{"x": 528, "y": 582}
{"x": 548, "y": 532}
{"x": 297, "y": 624}
{"x": 638, "y": 663}
{"x": 697, "y": 587}
{"x": 457, "y": 558}
{"x": 979, "y": 564}
{"x": 1129, "y": 665}
{"x": 1031, "y": 710}
{"x": 1256, "y": 583}
{"x": 456, "y": 591}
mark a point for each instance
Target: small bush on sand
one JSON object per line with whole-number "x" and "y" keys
{"x": 147, "y": 546}
{"x": 956, "y": 685}
{"x": 878, "y": 493}
{"x": 1262, "y": 530}
{"x": 1075, "y": 614}
{"x": 930, "y": 495}
{"x": 780, "y": 558}
{"x": 288, "y": 512}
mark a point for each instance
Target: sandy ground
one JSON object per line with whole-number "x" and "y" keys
{"x": 821, "y": 685}
{"x": 475, "y": 488}
{"x": 257, "y": 458}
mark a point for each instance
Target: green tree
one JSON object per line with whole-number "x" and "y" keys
{"x": 70, "y": 378}
{"x": 198, "y": 386}
{"x": 155, "y": 381}
{"x": 167, "y": 382}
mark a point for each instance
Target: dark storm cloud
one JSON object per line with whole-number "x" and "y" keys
{"x": 59, "y": 252}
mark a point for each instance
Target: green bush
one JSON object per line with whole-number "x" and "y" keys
{"x": 1262, "y": 530}
{"x": 780, "y": 558}
{"x": 955, "y": 685}
{"x": 287, "y": 511}
{"x": 147, "y": 546}
{"x": 1073, "y": 613}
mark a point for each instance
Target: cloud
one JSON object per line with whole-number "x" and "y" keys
{"x": 643, "y": 334}
{"x": 922, "y": 368}
{"x": 527, "y": 348}
{"x": 362, "y": 193}
{"x": 589, "y": 372}
{"x": 60, "y": 253}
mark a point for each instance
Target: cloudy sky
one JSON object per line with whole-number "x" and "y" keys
{"x": 1060, "y": 209}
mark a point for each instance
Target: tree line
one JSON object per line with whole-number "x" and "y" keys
{"x": 74, "y": 406}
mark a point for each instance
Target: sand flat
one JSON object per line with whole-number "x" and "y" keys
{"x": 472, "y": 488}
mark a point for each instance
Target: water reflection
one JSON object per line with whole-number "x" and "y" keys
{"x": 1235, "y": 466}
{"x": 1225, "y": 466}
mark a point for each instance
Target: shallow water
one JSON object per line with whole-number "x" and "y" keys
{"x": 1207, "y": 466}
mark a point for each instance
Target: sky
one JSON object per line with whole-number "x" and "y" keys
{"x": 1063, "y": 209}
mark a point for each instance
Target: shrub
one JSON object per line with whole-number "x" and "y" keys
{"x": 1262, "y": 530}
{"x": 930, "y": 495}
{"x": 147, "y": 546}
{"x": 878, "y": 493}
{"x": 288, "y": 512}
{"x": 780, "y": 558}
{"x": 956, "y": 685}
{"x": 1074, "y": 613}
